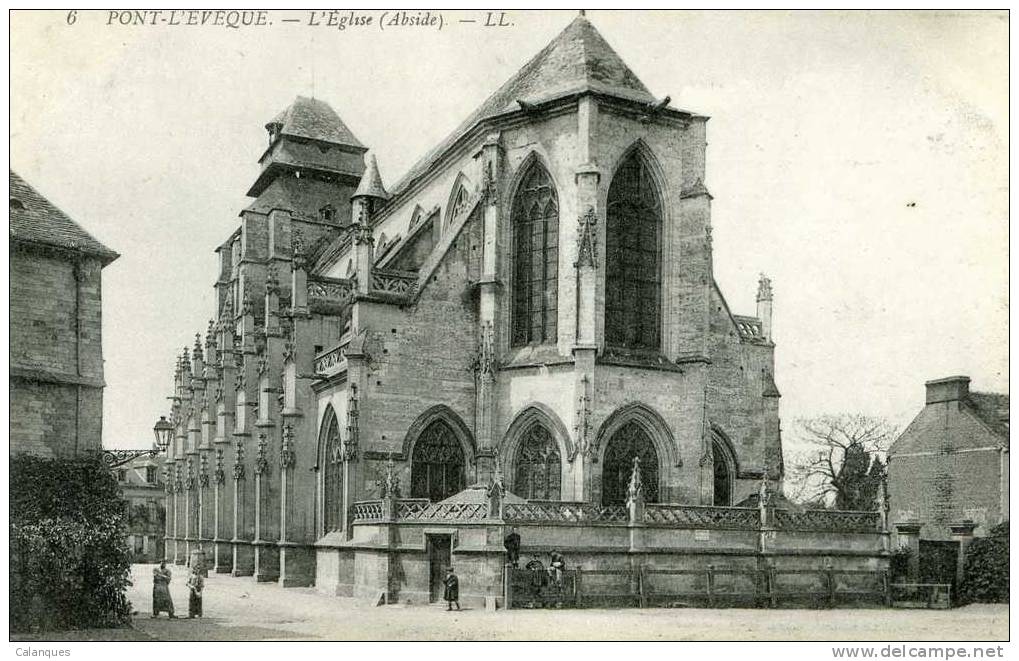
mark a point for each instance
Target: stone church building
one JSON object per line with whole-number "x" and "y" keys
{"x": 533, "y": 304}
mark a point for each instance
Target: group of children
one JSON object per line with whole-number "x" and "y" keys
{"x": 161, "y": 600}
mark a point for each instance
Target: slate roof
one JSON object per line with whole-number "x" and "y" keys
{"x": 578, "y": 60}
{"x": 314, "y": 119}
{"x": 34, "y": 219}
{"x": 992, "y": 409}
{"x": 371, "y": 182}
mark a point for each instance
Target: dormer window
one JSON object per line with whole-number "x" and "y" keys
{"x": 327, "y": 214}
{"x": 17, "y": 205}
{"x": 274, "y": 131}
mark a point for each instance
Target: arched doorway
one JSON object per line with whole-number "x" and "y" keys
{"x": 724, "y": 471}
{"x": 537, "y": 473}
{"x": 629, "y": 441}
{"x": 437, "y": 463}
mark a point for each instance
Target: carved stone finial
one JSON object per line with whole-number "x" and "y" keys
{"x": 287, "y": 456}
{"x": 219, "y": 475}
{"x": 261, "y": 460}
{"x": 635, "y": 490}
{"x": 586, "y": 253}
{"x": 197, "y": 351}
{"x": 362, "y": 230}
{"x": 239, "y": 460}
{"x": 764, "y": 288}
{"x": 389, "y": 484}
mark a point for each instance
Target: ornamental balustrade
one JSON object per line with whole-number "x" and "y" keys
{"x": 327, "y": 361}
{"x": 654, "y": 514}
{"x": 390, "y": 281}
{"x": 827, "y": 521}
{"x": 700, "y": 516}
{"x": 333, "y": 290}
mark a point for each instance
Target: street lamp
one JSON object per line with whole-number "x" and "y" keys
{"x": 163, "y": 429}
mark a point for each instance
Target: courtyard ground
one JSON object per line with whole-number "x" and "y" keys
{"x": 241, "y": 609}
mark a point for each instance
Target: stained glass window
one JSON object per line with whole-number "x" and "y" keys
{"x": 628, "y": 442}
{"x": 538, "y": 469}
{"x": 535, "y": 220}
{"x": 437, "y": 464}
{"x": 332, "y": 476}
{"x": 633, "y": 259}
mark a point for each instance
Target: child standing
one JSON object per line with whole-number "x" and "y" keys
{"x": 195, "y": 586}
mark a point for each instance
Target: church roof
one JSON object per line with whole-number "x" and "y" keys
{"x": 577, "y": 60}
{"x": 34, "y": 219}
{"x": 314, "y": 119}
{"x": 371, "y": 182}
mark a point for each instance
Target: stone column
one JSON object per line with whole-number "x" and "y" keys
{"x": 356, "y": 378}
{"x": 962, "y": 532}
{"x": 908, "y": 536}
{"x": 489, "y": 318}
{"x": 243, "y": 500}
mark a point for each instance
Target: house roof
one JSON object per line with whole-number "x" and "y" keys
{"x": 577, "y": 60}
{"x": 34, "y": 219}
{"x": 314, "y": 119}
{"x": 992, "y": 409}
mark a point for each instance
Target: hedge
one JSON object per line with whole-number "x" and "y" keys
{"x": 985, "y": 572}
{"x": 70, "y": 563}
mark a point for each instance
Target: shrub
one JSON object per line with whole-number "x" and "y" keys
{"x": 69, "y": 557}
{"x": 985, "y": 572}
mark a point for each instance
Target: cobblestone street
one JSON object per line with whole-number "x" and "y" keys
{"x": 240, "y": 609}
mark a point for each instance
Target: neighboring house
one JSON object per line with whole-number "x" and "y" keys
{"x": 951, "y": 463}
{"x": 56, "y": 372}
{"x": 141, "y": 483}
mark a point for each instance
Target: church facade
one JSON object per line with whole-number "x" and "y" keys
{"x": 532, "y": 305}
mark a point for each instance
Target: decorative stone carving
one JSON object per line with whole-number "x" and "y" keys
{"x": 203, "y": 471}
{"x": 586, "y": 239}
{"x": 362, "y": 230}
{"x": 261, "y": 460}
{"x": 262, "y": 365}
{"x": 287, "y": 458}
{"x": 389, "y": 482}
{"x": 582, "y": 428}
{"x": 351, "y": 441}
{"x": 189, "y": 477}
{"x": 764, "y": 288}
{"x": 491, "y": 185}
{"x": 486, "y": 363}
{"x": 219, "y": 475}
{"x": 239, "y": 460}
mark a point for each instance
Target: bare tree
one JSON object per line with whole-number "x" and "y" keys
{"x": 840, "y": 460}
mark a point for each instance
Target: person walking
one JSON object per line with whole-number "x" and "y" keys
{"x": 161, "y": 600}
{"x": 512, "y": 544}
{"x": 452, "y": 592}
{"x": 195, "y": 586}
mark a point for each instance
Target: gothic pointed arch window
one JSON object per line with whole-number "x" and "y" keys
{"x": 537, "y": 471}
{"x": 535, "y": 221}
{"x": 629, "y": 441}
{"x": 461, "y": 198}
{"x": 724, "y": 472}
{"x": 633, "y": 279}
{"x": 331, "y": 461}
{"x": 437, "y": 468}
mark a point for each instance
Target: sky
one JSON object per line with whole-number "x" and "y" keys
{"x": 857, "y": 158}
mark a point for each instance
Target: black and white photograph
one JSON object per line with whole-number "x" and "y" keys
{"x": 509, "y": 325}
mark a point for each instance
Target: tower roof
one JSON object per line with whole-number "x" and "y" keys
{"x": 34, "y": 219}
{"x": 314, "y": 119}
{"x": 371, "y": 182}
{"x": 578, "y": 60}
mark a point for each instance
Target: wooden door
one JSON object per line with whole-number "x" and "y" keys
{"x": 439, "y": 560}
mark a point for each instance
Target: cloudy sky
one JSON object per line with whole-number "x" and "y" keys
{"x": 859, "y": 159}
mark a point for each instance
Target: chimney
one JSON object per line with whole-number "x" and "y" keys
{"x": 949, "y": 389}
{"x": 764, "y": 297}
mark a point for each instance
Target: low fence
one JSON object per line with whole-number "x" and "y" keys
{"x": 651, "y": 514}
{"x": 710, "y": 587}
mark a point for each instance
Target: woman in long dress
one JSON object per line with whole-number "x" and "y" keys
{"x": 195, "y": 586}
{"x": 161, "y": 600}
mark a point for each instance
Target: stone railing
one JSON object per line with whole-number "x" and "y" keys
{"x": 367, "y": 510}
{"x": 333, "y": 290}
{"x": 565, "y": 512}
{"x": 827, "y": 521}
{"x": 324, "y": 362}
{"x": 416, "y": 510}
{"x": 697, "y": 516}
{"x": 389, "y": 281}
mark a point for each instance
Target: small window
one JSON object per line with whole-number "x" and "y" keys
{"x": 327, "y": 213}
{"x": 122, "y": 475}
{"x": 150, "y": 474}
{"x": 17, "y": 205}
